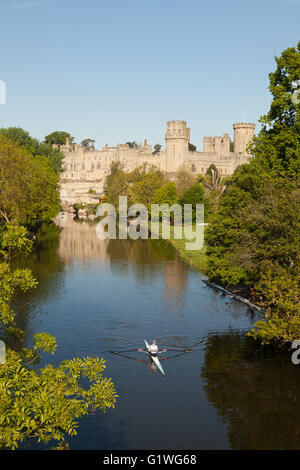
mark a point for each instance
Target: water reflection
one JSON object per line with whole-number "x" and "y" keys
{"x": 78, "y": 241}
{"x": 256, "y": 395}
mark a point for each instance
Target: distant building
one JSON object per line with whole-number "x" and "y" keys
{"x": 86, "y": 169}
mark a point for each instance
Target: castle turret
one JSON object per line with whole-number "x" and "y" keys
{"x": 243, "y": 134}
{"x": 177, "y": 145}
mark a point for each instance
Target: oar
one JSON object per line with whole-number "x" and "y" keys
{"x": 127, "y": 357}
{"x": 179, "y": 350}
{"x": 173, "y": 357}
{"x": 127, "y": 350}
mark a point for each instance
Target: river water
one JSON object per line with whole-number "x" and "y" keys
{"x": 99, "y": 296}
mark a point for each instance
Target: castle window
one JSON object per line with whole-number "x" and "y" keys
{"x": 193, "y": 168}
{"x": 92, "y": 166}
{"x": 83, "y": 166}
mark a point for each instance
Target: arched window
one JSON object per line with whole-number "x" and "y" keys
{"x": 193, "y": 168}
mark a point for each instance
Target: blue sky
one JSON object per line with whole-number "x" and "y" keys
{"x": 117, "y": 70}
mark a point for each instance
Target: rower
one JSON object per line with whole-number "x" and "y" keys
{"x": 153, "y": 350}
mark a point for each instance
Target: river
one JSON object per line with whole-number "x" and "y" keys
{"x": 99, "y": 296}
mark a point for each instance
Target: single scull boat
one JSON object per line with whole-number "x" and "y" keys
{"x": 154, "y": 359}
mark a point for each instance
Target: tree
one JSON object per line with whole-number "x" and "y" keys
{"x": 254, "y": 237}
{"x": 22, "y": 139}
{"x": 28, "y": 186}
{"x": 192, "y": 148}
{"x": 132, "y": 145}
{"x": 116, "y": 184}
{"x": 88, "y": 144}
{"x": 142, "y": 191}
{"x": 183, "y": 180}
{"x": 277, "y": 146}
{"x": 194, "y": 195}
{"x": 42, "y": 404}
{"x": 214, "y": 186}
{"x": 58, "y": 138}
{"x": 54, "y": 156}
{"x": 156, "y": 149}
{"x": 166, "y": 194}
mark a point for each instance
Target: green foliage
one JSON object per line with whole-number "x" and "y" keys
{"x": 58, "y": 138}
{"x": 156, "y": 149}
{"x": 142, "y": 190}
{"x": 88, "y": 144}
{"x": 14, "y": 237}
{"x": 22, "y": 139}
{"x": 45, "y": 404}
{"x": 195, "y": 195}
{"x": 254, "y": 237}
{"x": 28, "y": 186}
{"x": 138, "y": 185}
{"x": 253, "y": 228}
{"x": 115, "y": 184}
{"x": 192, "y": 148}
{"x": 280, "y": 287}
{"x": 166, "y": 194}
{"x": 277, "y": 147}
{"x": 132, "y": 145}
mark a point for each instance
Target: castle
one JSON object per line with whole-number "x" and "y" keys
{"x": 86, "y": 169}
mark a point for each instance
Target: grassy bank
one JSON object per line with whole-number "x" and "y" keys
{"x": 195, "y": 258}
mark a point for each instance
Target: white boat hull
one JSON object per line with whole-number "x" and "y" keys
{"x": 155, "y": 359}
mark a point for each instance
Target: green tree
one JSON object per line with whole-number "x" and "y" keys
{"x": 28, "y": 186}
{"x": 142, "y": 191}
{"x": 277, "y": 146}
{"x": 88, "y": 144}
{"x": 254, "y": 237}
{"x": 58, "y": 138}
{"x": 166, "y": 194}
{"x": 156, "y": 149}
{"x": 132, "y": 145}
{"x": 192, "y": 148}
{"x": 194, "y": 195}
{"x": 116, "y": 184}
{"x": 22, "y": 139}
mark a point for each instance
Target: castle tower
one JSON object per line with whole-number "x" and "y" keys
{"x": 243, "y": 134}
{"x": 177, "y": 145}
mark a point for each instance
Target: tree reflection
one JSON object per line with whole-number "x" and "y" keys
{"x": 256, "y": 393}
{"x": 47, "y": 268}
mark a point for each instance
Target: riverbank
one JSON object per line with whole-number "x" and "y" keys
{"x": 195, "y": 258}
{"x": 198, "y": 259}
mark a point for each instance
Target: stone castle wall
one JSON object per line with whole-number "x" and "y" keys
{"x": 87, "y": 169}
